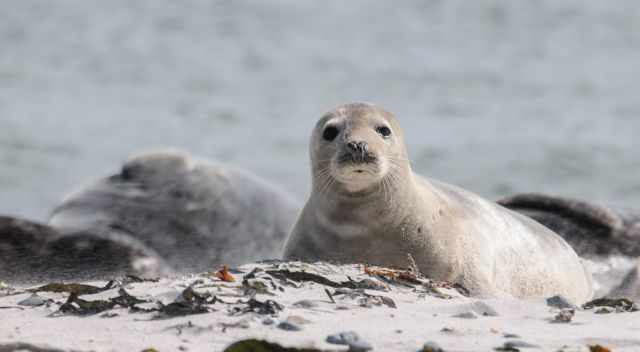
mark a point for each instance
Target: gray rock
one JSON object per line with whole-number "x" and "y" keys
{"x": 33, "y": 301}
{"x": 350, "y": 339}
{"x": 305, "y": 303}
{"x": 269, "y": 321}
{"x": 519, "y": 344}
{"x": 289, "y": 326}
{"x": 467, "y": 315}
{"x": 483, "y": 308}
{"x": 560, "y": 302}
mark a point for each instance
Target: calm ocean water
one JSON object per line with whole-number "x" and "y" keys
{"x": 495, "y": 96}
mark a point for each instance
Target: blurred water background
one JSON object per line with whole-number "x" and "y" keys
{"x": 495, "y": 96}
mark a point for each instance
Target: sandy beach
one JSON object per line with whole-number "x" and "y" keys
{"x": 303, "y": 306}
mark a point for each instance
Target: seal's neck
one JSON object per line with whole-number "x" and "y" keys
{"x": 377, "y": 200}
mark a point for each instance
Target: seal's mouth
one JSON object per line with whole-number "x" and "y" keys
{"x": 357, "y": 158}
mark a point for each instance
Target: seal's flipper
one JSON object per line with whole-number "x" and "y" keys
{"x": 592, "y": 229}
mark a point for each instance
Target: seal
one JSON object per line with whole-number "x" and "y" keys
{"x": 31, "y": 252}
{"x": 367, "y": 206}
{"x": 592, "y": 229}
{"x": 196, "y": 214}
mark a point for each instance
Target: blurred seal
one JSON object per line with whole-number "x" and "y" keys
{"x": 194, "y": 213}
{"x": 591, "y": 229}
{"x": 31, "y": 252}
{"x": 366, "y": 205}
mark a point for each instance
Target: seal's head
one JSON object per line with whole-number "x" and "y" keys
{"x": 356, "y": 147}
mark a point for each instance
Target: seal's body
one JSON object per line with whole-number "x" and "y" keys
{"x": 196, "y": 214}
{"x": 368, "y": 206}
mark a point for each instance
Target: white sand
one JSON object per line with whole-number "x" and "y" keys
{"x": 417, "y": 319}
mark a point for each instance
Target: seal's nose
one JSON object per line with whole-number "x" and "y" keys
{"x": 358, "y": 147}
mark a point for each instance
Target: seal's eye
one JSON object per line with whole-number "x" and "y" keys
{"x": 384, "y": 131}
{"x": 330, "y": 133}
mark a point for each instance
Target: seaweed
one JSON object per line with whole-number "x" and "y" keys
{"x": 303, "y": 276}
{"x": 270, "y": 307}
{"x": 364, "y": 299}
{"x": 73, "y": 288}
{"x": 78, "y": 306}
{"x": 619, "y": 304}
{"x": 191, "y": 302}
{"x": 126, "y": 300}
{"x": 254, "y": 345}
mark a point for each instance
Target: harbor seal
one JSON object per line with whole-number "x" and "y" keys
{"x": 367, "y": 206}
{"x": 592, "y": 229}
{"x": 196, "y": 214}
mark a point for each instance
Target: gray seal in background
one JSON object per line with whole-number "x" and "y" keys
{"x": 196, "y": 214}
{"x": 592, "y": 229}
{"x": 367, "y": 206}
{"x": 31, "y": 252}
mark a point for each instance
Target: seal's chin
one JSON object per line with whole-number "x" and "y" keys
{"x": 358, "y": 176}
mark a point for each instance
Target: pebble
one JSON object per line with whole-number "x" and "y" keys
{"x": 560, "y": 302}
{"x": 564, "y": 316}
{"x": 484, "y": 309}
{"x": 289, "y": 326}
{"x": 33, "y": 301}
{"x": 305, "y": 303}
{"x": 269, "y": 321}
{"x": 350, "y": 339}
{"x": 467, "y": 315}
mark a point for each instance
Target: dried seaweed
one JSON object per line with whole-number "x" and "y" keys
{"x": 254, "y": 345}
{"x": 138, "y": 279}
{"x": 126, "y": 300}
{"x": 78, "y": 289}
{"x": 619, "y": 304}
{"x": 303, "y": 276}
{"x": 270, "y": 307}
{"x": 365, "y": 299}
{"x": 78, "y": 306}
{"x": 190, "y": 303}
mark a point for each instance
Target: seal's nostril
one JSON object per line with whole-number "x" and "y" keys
{"x": 360, "y": 147}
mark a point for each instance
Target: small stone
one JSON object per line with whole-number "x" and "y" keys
{"x": 511, "y": 336}
{"x": 109, "y": 315}
{"x": 350, "y": 339}
{"x": 343, "y": 338}
{"x": 520, "y": 344}
{"x": 604, "y": 310}
{"x": 515, "y": 346}
{"x": 269, "y": 321}
{"x": 467, "y": 315}
{"x": 305, "y": 303}
{"x": 296, "y": 319}
{"x": 484, "y": 309}
{"x": 564, "y": 316}
{"x": 289, "y": 326}
{"x": 560, "y": 302}
{"x": 431, "y": 346}
{"x": 33, "y": 301}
